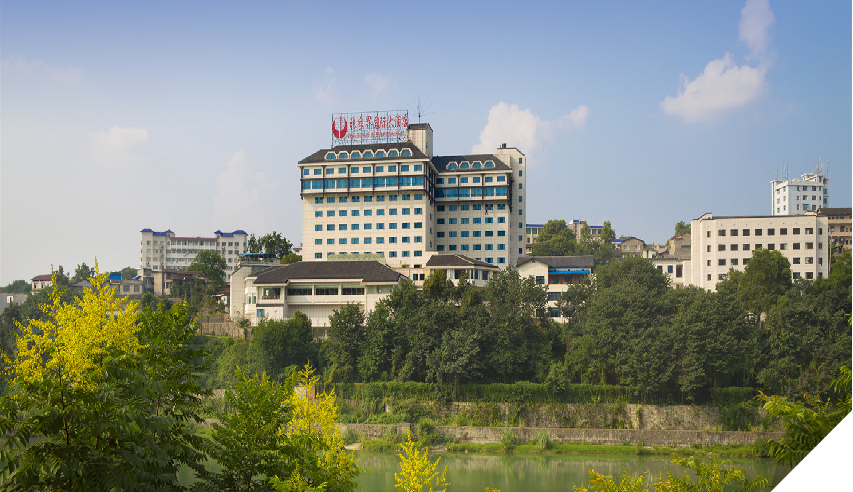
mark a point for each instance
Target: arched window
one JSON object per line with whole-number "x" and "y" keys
{"x": 356, "y": 155}
{"x": 464, "y": 165}
{"x": 477, "y": 165}
{"x": 490, "y": 164}
{"x": 330, "y": 156}
{"x": 367, "y": 154}
{"x": 406, "y": 153}
{"x": 380, "y": 153}
{"x": 452, "y": 165}
{"x": 393, "y": 153}
{"x": 343, "y": 155}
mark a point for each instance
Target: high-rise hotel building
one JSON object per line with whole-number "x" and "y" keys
{"x": 400, "y": 201}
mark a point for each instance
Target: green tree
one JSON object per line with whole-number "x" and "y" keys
{"x": 17, "y": 287}
{"x": 128, "y": 273}
{"x": 765, "y": 279}
{"x": 82, "y": 272}
{"x": 807, "y": 423}
{"x": 681, "y": 227}
{"x": 109, "y": 393}
{"x": 608, "y": 235}
{"x": 210, "y": 264}
{"x": 272, "y": 243}
{"x": 246, "y": 443}
{"x": 555, "y": 239}
{"x": 437, "y": 286}
{"x": 346, "y": 335}
{"x": 284, "y": 343}
{"x": 290, "y": 258}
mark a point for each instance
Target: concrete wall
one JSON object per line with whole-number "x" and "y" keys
{"x": 488, "y": 435}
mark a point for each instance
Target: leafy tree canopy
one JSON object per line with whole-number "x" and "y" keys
{"x": 681, "y": 227}
{"x": 766, "y": 277}
{"x": 128, "y": 273}
{"x": 210, "y": 264}
{"x": 272, "y": 243}
{"x": 17, "y": 287}
{"x": 82, "y": 272}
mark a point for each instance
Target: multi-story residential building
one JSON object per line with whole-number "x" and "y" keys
{"x": 798, "y": 196}
{"x": 167, "y": 251}
{"x": 721, "y": 243}
{"x": 532, "y": 232}
{"x": 839, "y": 223}
{"x": 558, "y": 273}
{"x": 42, "y": 281}
{"x": 315, "y": 288}
{"x": 632, "y": 246}
{"x": 400, "y": 201}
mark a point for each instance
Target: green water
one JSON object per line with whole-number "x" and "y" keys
{"x": 509, "y": 473}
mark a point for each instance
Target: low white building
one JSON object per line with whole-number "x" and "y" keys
{"x": 721, "y": 243}
{"x": 315, "y": 288}
{"x": 42, "y": 281}
{"x": 558, "y": 273}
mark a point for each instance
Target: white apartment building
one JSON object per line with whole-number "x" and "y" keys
{"x": 810, "y": 193}
{"x": 721, "y": 243}
{"x": 400, "y": 201}
{"x": 167, "y": 251}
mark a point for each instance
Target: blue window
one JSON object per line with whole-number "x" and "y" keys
{"x": 356, "y": 155}
{"x": 392, "y": 240}
{"x": 439, "y": 208}
{"x": 365, "y": 169}
{"x": 330, "y": 156}
{"x": 501, "y": 246}
{"x": 342, "y": 227}
{"x": 501, "y": 260}
{"x": 420, "y": 253}
{"x": 330, "y": 227}
{"x": 318, "y": 214}
{"x": 379, "y": 169}
{"x": 368, "y": 212}
{"x": 477, "y": 233}
{"x": 477, "y": 247}
{"x": 378, "y": 182}
{"x": 490, "y": 233}
{"x": 342, "y": 199}
{"x": 452, "y": 208}
{"x": 331, "y": 170}
{"x": 452, "y": 247}
{"x": 354, "y": 213}
{"x": 406, "y": 239}
{"x": 342, "y": 170}
{"x": 464, "y": 247}
{"x": 343, "y": 155}
{"x": 465, "y": 234}
{"x": 342, "y": 213}
{"x": 501, "y": 178}
{"x": 368, "y": 226}
{"x": 404, "y": 168}
{"x": 440, "y": 233}
{"x": 463, "y": 180}
{"x": 489, "y": 247}
{"x": 452, "y": 233}
{"x": 380, "y": 240}
{"x": 305, "y": 172}
{"x": 366, "y": 183}
{"x": 439, "y": 181}
{"x": 439, "y": 221}
{"x": 318, "y": 241}
{"x": 501, "y": 220}
{"x": 318, "y": 255}
{"x": 367, "y": 240}
{"x": 380, "y": 198}
{"x": 490, "y": 220}
{"x": 342, "y": 240}
{"x": 380, "y": 153}
{"x": 355, "y": 199}
{"x": 368, "y": 199}
{"x": 519, "y": 172}
{"x": 367, "y": 154}
{"x": 406, "y": 225}
{"x": 419, "y": 196}
{"x": 451, "y": 180}
{"x": 477, "y": 220}
{"x": 355, "y": 183}
{"x": 318, "y": 199}
{"x": 318, "y": 227}
{"x": 330, "y": 213}
{"x": 519, "y": 186}
{"x": 451, "y": 220}
{"x": 489, "y": 165}
{"x": 419, "y": 239}
{"x": 441, "y": 247}
{"x": 464, "y": 165}
{"x": 353, "y": 227}
{"x": 318, "y": 171}
{"x": 392, "y": 198}
{"x": 392, "y": 153}
{"x": 487, "y": 179}
{"x": 501, "y": 233}
{"x": 520, "y": 212}
{"x": 475, "y": 179}
{"x": 418, "y": 167}
{"x": 342, "y": 183}
{"x": 477, "y": 165}
{"x": 406, "y": 196}
{"x": 330, "y": 241}
{"x": 419, "y": 211}
{"x": 419, "y": 225}
{"x": 353, "y": 240}
{"x": 392, "y": 211}
{"x": 406, "y": 211}
{"x": 392, "y": 225}
{"x": 392, "y": 169}
{"x": 380, "y": 211}
{"x": 520, "y": 198}
{"x": 329, "y": 184}
{"x": 452, "y": 165}
{"x": 380, "y": 225}
{"x": 406, "y": 153}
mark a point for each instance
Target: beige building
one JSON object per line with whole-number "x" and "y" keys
{"x": 400, "y": 201}
{"x": 558, "y": 273}
{"x": 810, "y": 193}
{"x": 721, "y": 243}
{"x": 315, "y": 288}
{"x": 42, "y": 281}
{"x": 167, "y": 251}
{"x": 839, "y": 223}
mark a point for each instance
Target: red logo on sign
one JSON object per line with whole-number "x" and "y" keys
{"x": 339, "y": 133}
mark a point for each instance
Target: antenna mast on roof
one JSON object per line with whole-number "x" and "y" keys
{"x": 421, "y": 108}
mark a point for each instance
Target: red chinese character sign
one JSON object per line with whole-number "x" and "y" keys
{"x": 369, "y": 128}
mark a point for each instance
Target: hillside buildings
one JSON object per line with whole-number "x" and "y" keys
{"x": 810, "y": 193}
{"x": 558, "y": 273}
{"x": 721, "y": 243}
{"x": 400, "y": 201}
{"x": 839, "y": 223}
{"x": 167, "y": 251}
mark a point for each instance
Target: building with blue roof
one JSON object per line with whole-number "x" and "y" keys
{"x": 165, "y": 251}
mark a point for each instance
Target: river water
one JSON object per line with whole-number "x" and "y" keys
{"x": 540, "y": 473}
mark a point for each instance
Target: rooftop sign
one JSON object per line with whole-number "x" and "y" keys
{"x": 370, "y": 127}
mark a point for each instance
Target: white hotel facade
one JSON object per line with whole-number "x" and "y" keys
{"x": 166, "y": 251}
{"x": 401, "y": 201}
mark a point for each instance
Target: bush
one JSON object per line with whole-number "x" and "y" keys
{"x": 542, "y": 441}
{"x": 351, "y": 436}
{"x": 761, "y": 447}
{"x": 428, "y": 435}
{"x": 508, "y": 439}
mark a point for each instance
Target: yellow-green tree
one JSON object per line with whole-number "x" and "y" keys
{"x": 108, "y": 392}
{"x": 417, "y": 471}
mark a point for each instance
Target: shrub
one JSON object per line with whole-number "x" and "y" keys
{"x": 428, "y": 435}
{"x": 508, "y": 439}
{"x": 542, "y": 441}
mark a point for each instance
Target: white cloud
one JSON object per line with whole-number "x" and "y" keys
{"x": 756, "y": 19}
{"x": 118, "y": 147}
{"x": 244, "y": 197}
{"x": 380, "y": 84}
{"x": 724, "y": 85}
{"x": 38, "y": 68}
{"x": 510, "y": 124}
{"x": 721, "y": 86}
{"x": 327, "y": 91}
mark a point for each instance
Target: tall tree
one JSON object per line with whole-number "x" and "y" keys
{"x": 272, "y": 243}
{"x": 128, "y": 273}
{"x": 346, "y": 336}
{"x": 210, "y": 264}
{"x": 681, "y": 227}
{"x": 766, "y": 277}
{"x": 82, "y": 272}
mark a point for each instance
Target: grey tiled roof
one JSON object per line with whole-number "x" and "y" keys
{"x": 457, "y": 261}
{"x": 836, "y": 211}
{"x": 441, "y": 162}
{"x": 586, "y": 261}
{"x": 365, "y": 271}
{"x": 320, "y": 155}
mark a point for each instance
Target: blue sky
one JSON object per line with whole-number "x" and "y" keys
{"x": 192, "y": 116}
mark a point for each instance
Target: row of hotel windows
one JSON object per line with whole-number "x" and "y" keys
{"x": 806, "y": 188}
{"x": 794, "y": 261}
{"x": 466, "y": 220}
{"x": 368, "y": 212}
{"x": 474, "y": 247}
{"x": 466, "y": 207}
{"x": 368, "y": 226}
{"x": 194, "y": 243}
{"x": 476, "y": 165}
{"x": 474, "y": 179}
{"x": 770, "y": 232}
{"x": 368, "y": 154}
{"x": 331, "y": 184}
{"x": 369, "y": 240}
{"x": 771, "y": 246}
{"x": 471, "y": 233}
{"x": 805, "y": 207}
{"x": 391, "y": 254}
{"x": 367, "y": 198}
{"x": 805, "y": 197}
{"x": 404, "y": 168}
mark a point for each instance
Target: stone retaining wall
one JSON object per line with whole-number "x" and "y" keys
{"x": 649, "y": 437}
